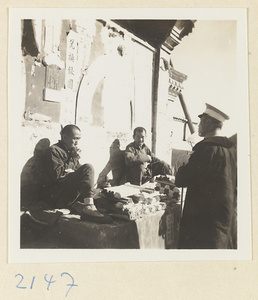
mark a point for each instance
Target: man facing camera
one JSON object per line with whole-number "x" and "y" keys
{"x": 66, "y": 183}
{"x": 209, "y": 215}
{"x": 141, "y": 164}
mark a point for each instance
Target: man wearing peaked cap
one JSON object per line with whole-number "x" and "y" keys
{"x": 214, "y": 113}
{"x": 209, "y": 214}
{"x": 211, "y": 121}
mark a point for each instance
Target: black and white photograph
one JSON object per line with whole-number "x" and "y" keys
{"x": 128, "y": 135}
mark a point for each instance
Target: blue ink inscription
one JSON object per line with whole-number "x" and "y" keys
{"x": 31, "y": 286}
{"x": 70, "y": 284}
{"x": 49, "y": 281}
{"x": 18, "y": 285}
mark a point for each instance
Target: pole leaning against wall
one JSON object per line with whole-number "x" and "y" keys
{"x": 187, "y": 115}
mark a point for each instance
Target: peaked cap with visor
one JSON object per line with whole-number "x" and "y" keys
{"x": 214, "y": 113}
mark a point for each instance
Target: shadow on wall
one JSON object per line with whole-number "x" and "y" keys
{"x": 31, "y": 174}
{"x": 116, "y": 165}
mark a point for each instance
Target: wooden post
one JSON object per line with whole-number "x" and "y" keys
{"x": 155, "y": 84}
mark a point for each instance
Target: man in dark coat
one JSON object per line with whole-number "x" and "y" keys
{"x": 65, "y": 182}
{"x": 209, "y": 215}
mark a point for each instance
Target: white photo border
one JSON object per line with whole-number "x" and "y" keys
{"x": 17, "y": 255}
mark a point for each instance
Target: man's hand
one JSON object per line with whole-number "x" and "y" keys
{"x": 69, "y": 170}
{"x": 146, "y": 158}
{"x": 149, "y": 157}
{"x": 74, "y": 152}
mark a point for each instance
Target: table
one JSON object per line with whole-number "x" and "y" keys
{"x": 158, "y": 230}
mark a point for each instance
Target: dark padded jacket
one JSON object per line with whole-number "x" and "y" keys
{"x": 56, "y": 160}
{"x": 209, "y": 216}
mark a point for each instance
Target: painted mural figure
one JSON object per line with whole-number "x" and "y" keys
{"x": 67, "y": 183}
{"x": 209, "y": 215}
{"x": 141, "y": 164}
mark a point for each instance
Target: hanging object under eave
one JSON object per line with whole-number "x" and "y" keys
{"x": 180, "y": 29}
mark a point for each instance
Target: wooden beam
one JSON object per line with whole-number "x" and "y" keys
{"x": 155, "y": 84}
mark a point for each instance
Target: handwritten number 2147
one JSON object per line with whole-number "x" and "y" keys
{"x": 49, "y": 281}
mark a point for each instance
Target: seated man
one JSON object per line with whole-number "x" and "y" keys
{"x": 66, "y": 183}
{"x": 141, "y": 164}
